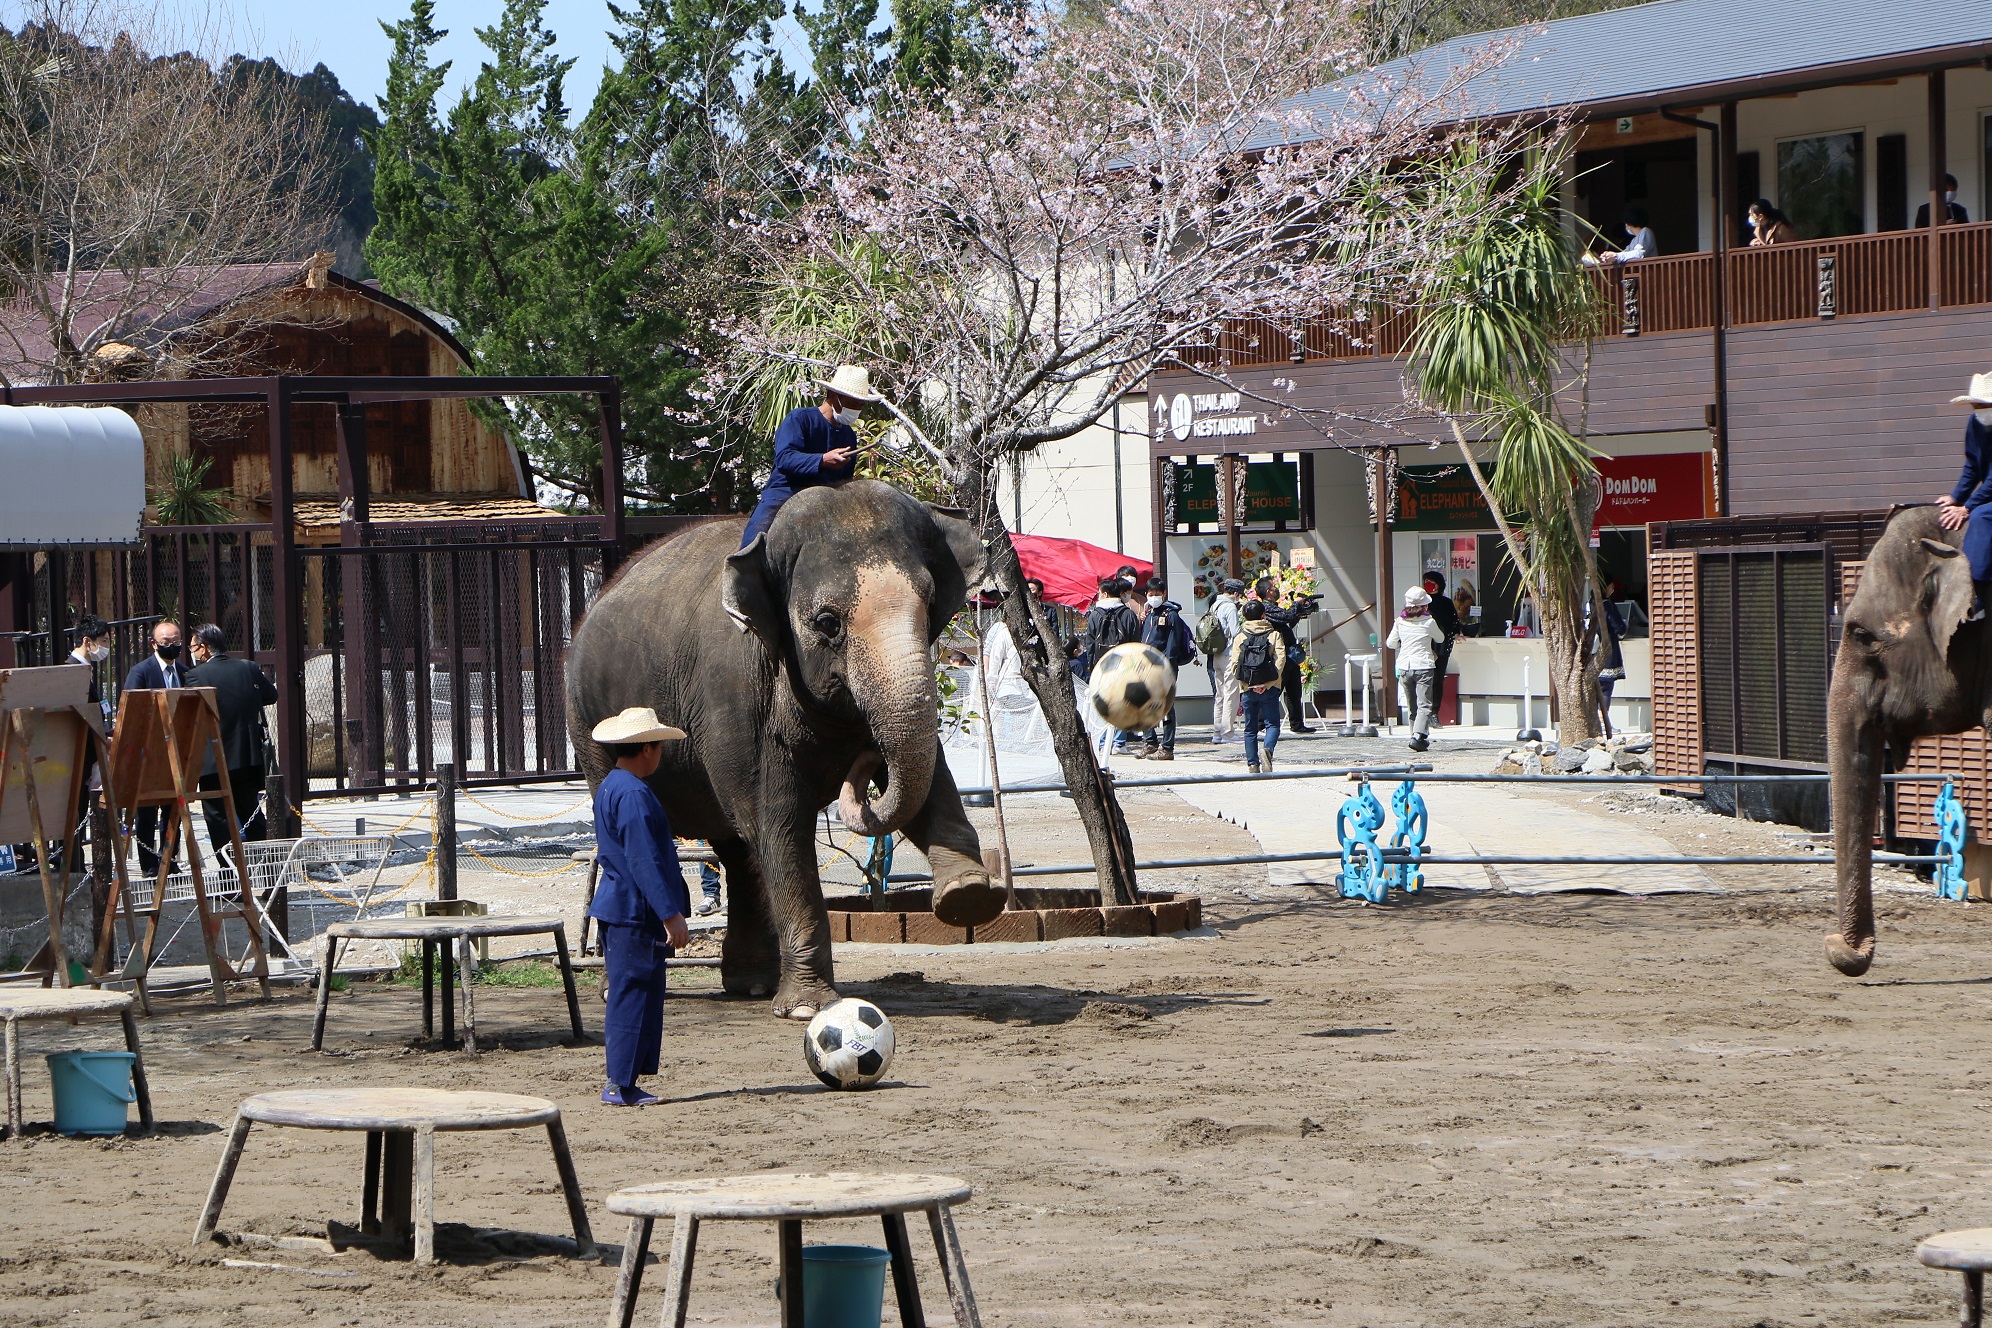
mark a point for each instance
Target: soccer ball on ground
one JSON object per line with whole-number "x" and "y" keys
{"x": 1133, "y": 687}
{"x": 848, "y": 1044}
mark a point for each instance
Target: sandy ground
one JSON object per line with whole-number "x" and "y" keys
{"x": 1570, "y": 1109}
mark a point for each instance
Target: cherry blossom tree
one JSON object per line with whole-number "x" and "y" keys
{"x": 1131, "y": 184}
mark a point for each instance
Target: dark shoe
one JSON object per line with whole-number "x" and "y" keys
{"x": 1299, "y": 728}
{"x": 613, "y": 1096}
{"x": 1252, "y": 767}
{"x": 1419, "y": 744}
{"x": 1166, "y": 754}
{"x": 1147, "y": 752}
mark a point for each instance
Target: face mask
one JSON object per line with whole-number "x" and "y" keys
{"x": 1950, "y": 196}
{"x": 97, "y": 654}
{"x": 1154, "y": 601}
{"x": 1984, "y": 417}
{"x": 848, "y": 416}
{"x": 169, "y": 652}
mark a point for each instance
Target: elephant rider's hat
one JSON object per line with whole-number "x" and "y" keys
{"x": 636, "y": 724}
{"x": 853, "y": 382}
{"x": 1979, "y": 394}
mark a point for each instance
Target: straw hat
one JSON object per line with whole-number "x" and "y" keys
{"x": 636, "y": 724}
{"x": 853, "y": 382}
{"x": 1416, "y": 598}
{"x": 1979, "y": 394}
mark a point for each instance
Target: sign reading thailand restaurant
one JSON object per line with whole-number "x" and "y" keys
{"x": 1673, "y": 486}
{"x": 1272, "y": 493}
{"x": 1189, "y": 415}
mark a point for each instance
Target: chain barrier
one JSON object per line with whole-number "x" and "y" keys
{"x": 525, "y": 820}
{"x": 427, "y": 808}
{"x": 509, "y": 871}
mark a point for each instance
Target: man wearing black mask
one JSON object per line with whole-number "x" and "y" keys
{"x": 164, "y": 667}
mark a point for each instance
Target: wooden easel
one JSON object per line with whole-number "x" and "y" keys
{"x": 161, "y": 740}
{"x": 48, "y": 730}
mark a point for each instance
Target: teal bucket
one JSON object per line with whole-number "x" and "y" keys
{"x": 843, "y": 1286}
{"x": 92, "y": 1090}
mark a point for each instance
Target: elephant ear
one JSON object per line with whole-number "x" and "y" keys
{"x": 955, "y": 576}
{"x": 1952, "y": 600}
{"x": 745, "y": 596}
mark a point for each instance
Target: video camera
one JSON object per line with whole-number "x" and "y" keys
{"x": 1301, "y": 606}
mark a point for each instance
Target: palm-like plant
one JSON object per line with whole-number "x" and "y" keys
{"x": 1487, "y": 352}
{"x": 185, "y": 500}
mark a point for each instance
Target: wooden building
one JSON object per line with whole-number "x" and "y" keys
{"x": 428, "y": 460}
{"x": 1783, "y": 394}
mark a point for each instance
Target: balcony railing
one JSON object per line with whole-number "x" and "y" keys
{"x": 1786, "y": 283}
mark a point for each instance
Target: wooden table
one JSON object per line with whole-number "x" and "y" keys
{"x": 1967, "y": 1252}
{"x": 401, "y": 1125}
{"x": 458, "y": 934}
{"x": 19, "y": 1003}
{"x": 791, "y": 1198}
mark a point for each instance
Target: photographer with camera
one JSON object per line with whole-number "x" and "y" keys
{"x": 1285, "y": 616}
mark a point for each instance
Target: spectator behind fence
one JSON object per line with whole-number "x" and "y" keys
{"x": 1416, "y": 638}
{"x": 1255, "y": 662}
{"x": 161, "y": 668}
{"x": 1641, "y": 241}
{"x": 1165, "y": 629}
{"x": 1217, "y": 630}
{"x": 1770, "y": 225}
{"x": 1958, "y": 216}
{"x": 241, "y": 690}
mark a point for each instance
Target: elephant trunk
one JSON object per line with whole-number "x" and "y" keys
{"x": 1854, "y": 757}
{"x": 892, "y": 676}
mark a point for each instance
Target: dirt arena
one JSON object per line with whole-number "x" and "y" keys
{"x": 1564, "y": 1110}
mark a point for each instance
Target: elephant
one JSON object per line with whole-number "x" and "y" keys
{"x": 1910, "y": 665}
{"x": 801, "y": 670}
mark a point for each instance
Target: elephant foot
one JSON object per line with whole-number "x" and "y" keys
{"x": 969, "y": 900}
{"x": 746, "y": 976}
{"x": 803, "y": 998}
{"x": 1851, "y": 960}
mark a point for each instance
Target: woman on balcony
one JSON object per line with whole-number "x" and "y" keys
{"x": 1641, "y": 242}
{"x": 1771, "y": 226}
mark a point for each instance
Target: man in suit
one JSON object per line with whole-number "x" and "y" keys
{"x": 241, "y": 690}
{"x": 162, "y": 668}
{"x": 1958, "y": 216}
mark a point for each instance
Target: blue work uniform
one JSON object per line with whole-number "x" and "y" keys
{"x": 640, "y": 886}
{"x": 1974, "y": 492}
{"x": 800, "y": 443}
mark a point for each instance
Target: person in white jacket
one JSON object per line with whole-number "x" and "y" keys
{"x": 1415, "y": 638}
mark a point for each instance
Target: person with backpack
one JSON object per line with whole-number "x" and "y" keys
{"x": 1110, "y": 622}
{"x": 1214, "y": 633}
{"x": 1255, "y": 661}
{"x": 1165, "y": 630}
{"x": 1416, "y": 639}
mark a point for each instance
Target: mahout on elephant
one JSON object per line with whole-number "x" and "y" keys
{"x": 801, "y": 666}
{"x": 1912, "y": 663}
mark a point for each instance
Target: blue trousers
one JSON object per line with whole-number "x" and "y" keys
{"x": 1978, "y": 542}
{"x": 633, "y": 1024}
{"x": 764, "y": 512}
{"x": 1262, "y": 722}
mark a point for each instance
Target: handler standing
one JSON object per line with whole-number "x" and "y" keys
{"x": 641, "y": 900}
{"x": 815, "y": 445}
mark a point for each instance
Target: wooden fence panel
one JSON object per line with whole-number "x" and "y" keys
{"x": 1674, "y": 617}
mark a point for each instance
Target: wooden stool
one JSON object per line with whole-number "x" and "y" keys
{"x": 790, "y": 1199}
{"x": 1970, "y": 1253}
{"x": 19, "y": 1003}
{"x": 401, "y": 1126}
{"x": 457, "y": 934}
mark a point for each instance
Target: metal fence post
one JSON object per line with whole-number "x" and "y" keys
{"x": 278, "y": 823}
{"x": 446, "y": 838}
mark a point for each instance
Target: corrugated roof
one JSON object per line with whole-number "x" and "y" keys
{"x": 1672, "y": 52}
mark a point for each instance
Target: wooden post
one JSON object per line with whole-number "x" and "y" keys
{"x": 292, "y": 746}
{"x": 446, "y": 833}
{"x": 1939, "y": 210}
{"x": 1231, "y": 498}
{"x": 1386, "y": 577}
{"x": 277, "y": 823}
{"x": 360, "y": 637}
{"x": 1725, "y": 206}
{"x": 612, "y": 492}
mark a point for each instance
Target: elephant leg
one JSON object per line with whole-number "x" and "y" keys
{"x": 963, "y": 894}
{"x": 750, "y": 963}
{"x": 794, "y": 892}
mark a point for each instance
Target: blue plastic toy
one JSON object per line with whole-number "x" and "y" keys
{"x": 1363, "y": 875}
{"x": 1952, "y": 826}
{"x": 1413, "y": 821}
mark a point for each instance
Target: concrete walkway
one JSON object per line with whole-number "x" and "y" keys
{"x": 1295, "y": 815}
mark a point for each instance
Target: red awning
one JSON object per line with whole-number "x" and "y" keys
{"x": 1072, "y": 569}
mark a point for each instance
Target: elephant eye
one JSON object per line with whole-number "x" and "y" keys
{"x": 828, "y": 625}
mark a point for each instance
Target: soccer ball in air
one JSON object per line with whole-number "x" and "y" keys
{"x": 1133, "y": 687}
{"x": 848, "y": 1044}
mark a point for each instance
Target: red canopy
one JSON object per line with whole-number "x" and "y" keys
{"x": 1072, "y": 569}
